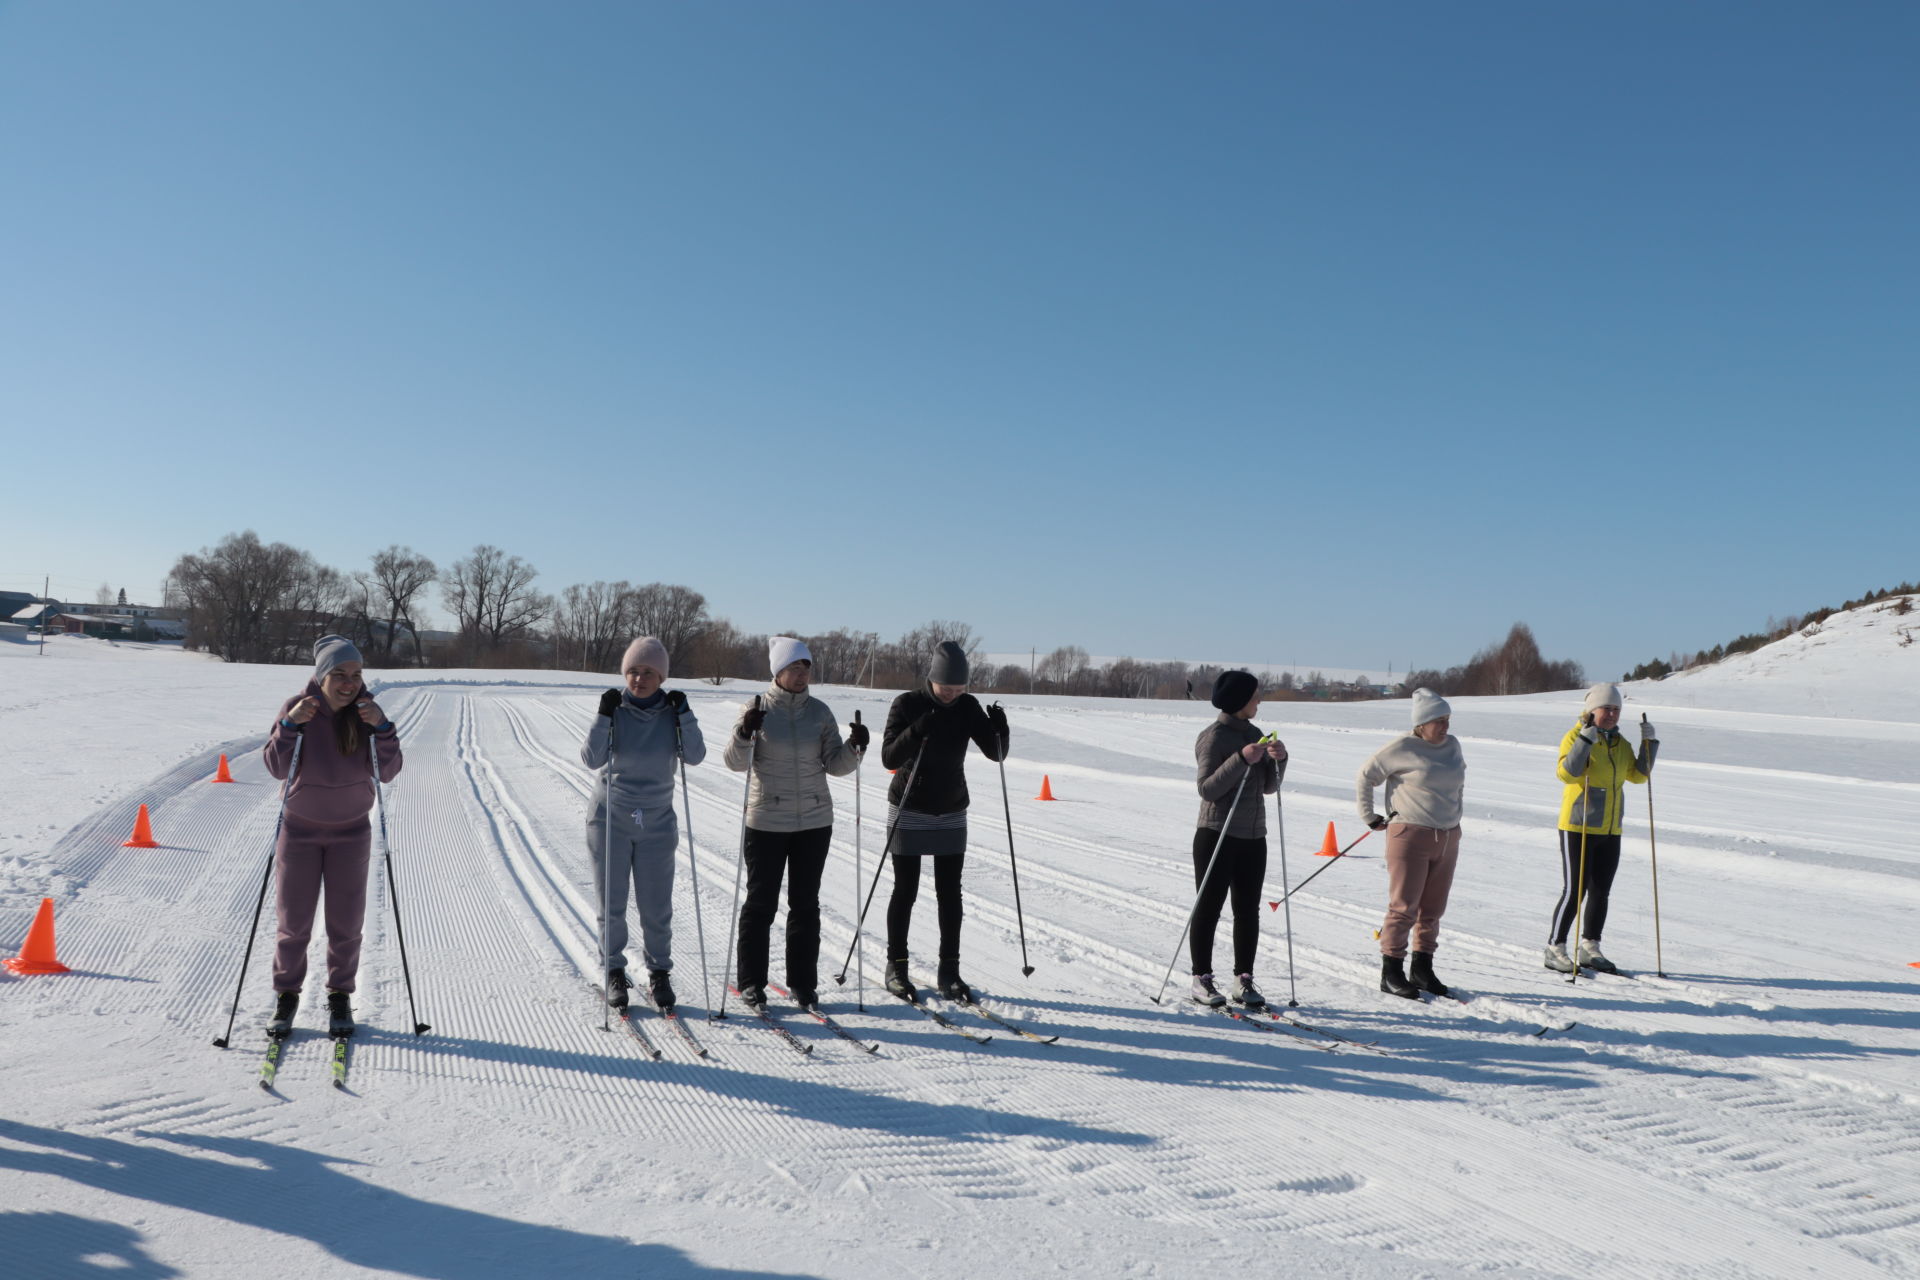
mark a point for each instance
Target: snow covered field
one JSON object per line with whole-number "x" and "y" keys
{"x": 1755, "y": 1114}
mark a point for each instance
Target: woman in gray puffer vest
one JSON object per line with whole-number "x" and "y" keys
{"x": 793, "y": 744}
{"x": 1233, "y": 761}
{"x": 638, "y": 737}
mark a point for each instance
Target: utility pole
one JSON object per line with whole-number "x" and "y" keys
{"x": 46, "y": 585}
{"x": 1033, "y": 658}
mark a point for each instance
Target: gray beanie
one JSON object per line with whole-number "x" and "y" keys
{"x": 949, "y": 664}
{"x": 329, "y": 652}
{"x": 1428, "y": 705}
{"x": 1603, "y": 695}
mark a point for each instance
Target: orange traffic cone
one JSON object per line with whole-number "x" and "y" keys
{"x": 142, "y": 833}
{"x": 1329, "y": 848}
{"x": 36, "y": 954}
{"x": 1046, "y": 788}
{"x": 221, "y": 774}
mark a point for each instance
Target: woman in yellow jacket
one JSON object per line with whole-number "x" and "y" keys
{"x": 1595, "y": 765}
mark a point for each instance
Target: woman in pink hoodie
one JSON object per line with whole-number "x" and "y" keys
{"x": 326, "y": 837}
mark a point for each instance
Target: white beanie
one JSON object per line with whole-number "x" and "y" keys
{"x": 329, "y": 652}
{"x": 645, "y": 651}
{"x": 1428, "y": 705}
{"x": 1603, "y": 695}
{"x": 784, "y": 651}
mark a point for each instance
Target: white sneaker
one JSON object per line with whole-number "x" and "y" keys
{"x": 1557, "y": 958}
{"x": 1590, "y": 957}
{"x": 1204, "y": 992}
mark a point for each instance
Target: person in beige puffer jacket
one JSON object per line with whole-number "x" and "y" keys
{"x": 792, "y": 743}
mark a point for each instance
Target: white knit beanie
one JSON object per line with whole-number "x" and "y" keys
{"x": 1428, "y": 705}
{"x": 1603, "y": 695}
{"x": 784, "y": 651}
{"x": 645, "y": 651}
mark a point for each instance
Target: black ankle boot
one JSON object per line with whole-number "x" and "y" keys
{"x": 1393, "y": 978}
{"x": 952, "y": 986}
{"x": 897, "y": 983}
{"x": 1420, "y": 974}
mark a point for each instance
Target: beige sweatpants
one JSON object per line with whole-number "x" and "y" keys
{"x": 1420, "y": 862}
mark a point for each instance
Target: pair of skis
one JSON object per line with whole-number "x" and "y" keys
{"x": 276, "y": 1049}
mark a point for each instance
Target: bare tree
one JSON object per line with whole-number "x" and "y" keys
{"x": 103, "y": 594}
{"x": 252, "y": 602}
{"x": 392, "y": 589}
{"x": 592, "y": 624}
{"x": 675, "y": 615}
{"x": 491, "y": 596}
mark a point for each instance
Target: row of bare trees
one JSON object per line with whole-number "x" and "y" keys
{"x": 249, "y": 601}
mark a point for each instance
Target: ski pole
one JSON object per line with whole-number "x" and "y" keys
{"x": 393, "y": 888}
{"x": 840, "y": 978}
{"x": 260, "y": 902}
{"x": 1580, "y": 884}
{"x": 1280, "y": 824}
{"x": 739, "y": 868}
{"x": 1019, "y": 916}
{"x": 1653, "y": 851}
{"x": 1205, "y": 876}
{"x": 1391, "y": 815}
{"x": 693, "y": 868}
{"x": 859, "y": 874}
{"x": 606, "y": 881}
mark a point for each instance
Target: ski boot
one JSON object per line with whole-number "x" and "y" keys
{"x": 285, "y": 1005}
{"x": 753, "y": 995}
{"x": 1393, "y": 978}
{"x": 1590, "y": 957}
{"x": 339, "y": 1014}
{"x": 1420, "y": 974}
{"x": 1557, "y": 958}
{"x": 1244, "y": 992}
{"x": 660, "y": 987}
{"x": 618, "y": 984}
{"x": 952, "y": 985}
{"x": 898, "y": 984}
{"x": 1204, "y": 992}
{"x": 805, "y": 997}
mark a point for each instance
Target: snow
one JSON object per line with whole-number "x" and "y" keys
{"x": 1754, "y": 1114}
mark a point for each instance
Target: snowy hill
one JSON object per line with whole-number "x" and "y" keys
{"x": 1864, "y": 661}
{"x": 1756, "y": 1113}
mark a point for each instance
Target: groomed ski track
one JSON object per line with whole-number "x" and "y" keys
{"x": 1155, "y": 1122}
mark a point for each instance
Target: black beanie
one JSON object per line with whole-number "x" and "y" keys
{"x": 949, "y": 664}
{"x": 1233, "y": 690}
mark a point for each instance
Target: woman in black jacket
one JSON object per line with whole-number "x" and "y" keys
{"x": 926, "y": 744}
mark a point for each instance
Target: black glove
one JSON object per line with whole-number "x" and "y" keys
{"x": 858, "y": 737}
{"x": 924, "y": 725}
{"x": 751, "y": 720}
{"x": 677, "y": 700}
{"x": 609, "y": 703}
{"x": 1376, "y": 823}
{"x": 997, "y": 715}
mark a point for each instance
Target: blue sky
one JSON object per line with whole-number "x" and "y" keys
{"x": 1338, "y": 334}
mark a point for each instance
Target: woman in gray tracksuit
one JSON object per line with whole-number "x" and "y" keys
{"x": 792, "y": 743}
{"x": 639, "y": 736}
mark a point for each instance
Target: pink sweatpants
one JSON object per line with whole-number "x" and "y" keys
{"x": 1420, "y": 862}
{"x": 308, "y": 856}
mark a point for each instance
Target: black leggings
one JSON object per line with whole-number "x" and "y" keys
{"x": 1603, "y": 860}
{"x": 906, "y": 887}
{"x": 768, "y": 853}
{"x": 1241, "y": 869}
